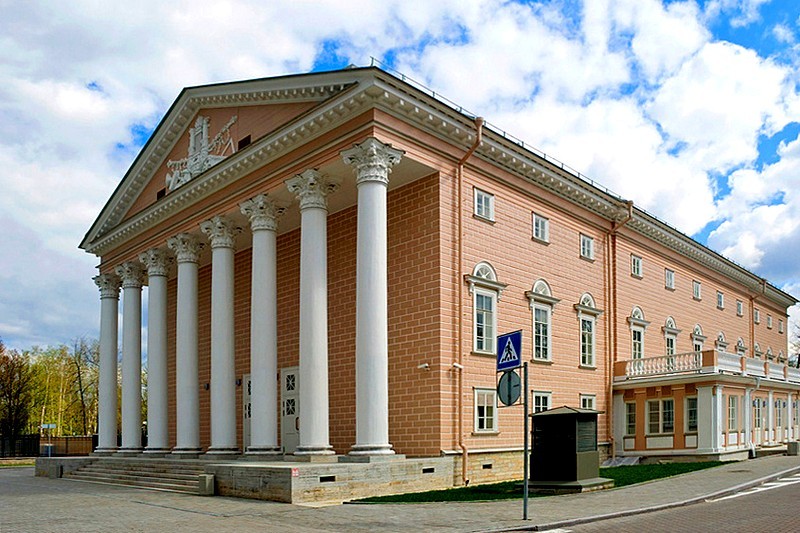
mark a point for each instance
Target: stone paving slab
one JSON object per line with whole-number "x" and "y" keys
{"x": 28, "y": 503}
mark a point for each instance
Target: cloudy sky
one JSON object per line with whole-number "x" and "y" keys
{"x": 691, "y": 109}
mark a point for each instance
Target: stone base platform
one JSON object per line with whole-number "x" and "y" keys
{"x": 570, "y": 487}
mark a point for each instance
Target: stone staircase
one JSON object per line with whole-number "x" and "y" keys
{"x": 155, "y": 474}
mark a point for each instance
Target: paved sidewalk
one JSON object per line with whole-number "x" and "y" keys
{"x": 40, "y": 505}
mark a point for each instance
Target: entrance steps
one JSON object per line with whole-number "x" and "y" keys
{"x": 154, "y": 474}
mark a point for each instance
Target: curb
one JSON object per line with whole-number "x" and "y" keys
{"x": 653, "y": 508}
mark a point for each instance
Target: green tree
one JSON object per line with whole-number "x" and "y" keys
{"x": 16, "y": 395}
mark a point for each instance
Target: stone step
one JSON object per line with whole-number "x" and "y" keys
{"x": 99, "y": 469}
{"x": 152, "y": 469}
{"x": 124, "y": 476}
{"x": 150, "y": 485}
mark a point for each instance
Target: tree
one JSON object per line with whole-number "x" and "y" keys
{"x": 16, "y": 394}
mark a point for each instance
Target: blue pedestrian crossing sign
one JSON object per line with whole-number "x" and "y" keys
{"x": 509, "y": 351}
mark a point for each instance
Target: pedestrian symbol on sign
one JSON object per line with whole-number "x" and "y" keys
{"x": 510, "y": 354}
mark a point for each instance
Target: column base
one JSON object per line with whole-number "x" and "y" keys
{"x": 316, "y": 458}
{"x": 156, "y": 452}
{"x": 129, "y": 452}
{"x": 104, "y": 452}
{"x": 314, "y": 450}
{"x": 371, "y": 458}
{"x": 371, "y": 449}
{"x": 186, "y": 453}
{"x": 263, "y": 450}
{"x": 223, "y": 453}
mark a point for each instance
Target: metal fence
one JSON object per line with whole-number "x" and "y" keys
{"x": 22, "y": 446}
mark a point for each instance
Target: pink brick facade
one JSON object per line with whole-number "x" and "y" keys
{"x": 435, "y": 240}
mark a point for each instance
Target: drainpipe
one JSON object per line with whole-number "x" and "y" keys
{"x": 611, "y": 317}
{"x": 460, "y": 334}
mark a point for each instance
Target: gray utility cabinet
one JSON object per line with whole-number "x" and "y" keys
{"x": 564, "y": 445}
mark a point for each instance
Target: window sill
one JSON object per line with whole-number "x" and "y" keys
{"x": 589, "y": 259}
{"x": 659, "y": 434}
{"x": 483, "y": 219}
{"x": 696, "y": 299}
{"x": 540, "y": 241}
{"x": 636, "y": 276}
{"x": 720, "y": 308}
{"x": 587, "y": 367}
{"x": 669, "y": 288}
{"x": 542, "y": 361}
{"x": 485, "y": 433}
{"x": 483, "y": 354}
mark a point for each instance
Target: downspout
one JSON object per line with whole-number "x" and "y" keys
{"x": 460, "y": 282}
{"x": 611, "y": 317}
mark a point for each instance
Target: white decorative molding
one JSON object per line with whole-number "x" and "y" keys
{"x": 203, "y": 154}
{"x": 372, "y": 160}
{"x": 186, "y": 247}
{"x": 132, "y": 274}
{"x": 312, "y": 189}
{"x": 157, "y": 261}
{"x": 108, "y": 284}
{"x": 262, "y": 212}
{"x": 221, "y": 231}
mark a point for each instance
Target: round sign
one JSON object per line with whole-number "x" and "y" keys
{"x": 509, "y": 388}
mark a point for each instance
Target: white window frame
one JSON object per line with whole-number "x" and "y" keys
{"x": 537, "y": 402}
{"x": 691, "y": 400}
{"x": 662, "y": 428}
{"x": 541, "y": 227}
{"x": 484, "y": 204}
{"x": 739, "y": 308}
{"x": 670, "y": 336}
{"x": 630, "y": 413}
{"x": 485, "y": 343}
{"x": 769, "y": 321}
{"x": 756, "y": 316}
{"x": 669, "y": 279}
{"x": 587, "y": 313}
{"x": 587, "y": 247}
{"x": 483, "y": 282}
{"x": 780, "y": 325}
{"x": 697, "y": 290}
{"x": 720, "y": 300}
{"x": 481, "y": 395}
{"x": 733, "y": 413}
{"x": 638, "y": 326}
{"x": 538, "y": 347}
{"x": 698, "y": 339}
{"x": 637, "y": 268}
{"x": 588, "y": 401}
{"x": 758, "y": 415}
{"x": 541, "y": 300}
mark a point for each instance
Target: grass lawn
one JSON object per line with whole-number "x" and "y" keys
{"x": 622, "y": 476}
{"x": 15, "y": 464}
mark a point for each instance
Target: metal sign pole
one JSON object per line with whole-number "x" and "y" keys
{"x": 525, "y": 446}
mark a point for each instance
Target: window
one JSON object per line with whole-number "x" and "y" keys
{"x": 486, "y": 291}
{"x": 757, "y": 415}
{"x": 670, "y": 335}
{"x": 691, "y": 414}
{"x": 637, "y": 325}
{"x": 779, "y": 416}
{"x": 484, "y": 205}
{"x": 696, "y": 293}
{"x": 541, "y": 228}
{"x": 541, "y": 401}
{"x": 541, "y": 303}
{"x": 669, "y": 278}
{"x": 739, "y": 308}
{"x": 720, "y": 300}
{"x": 661, "y": 416}
{"x": 795, "y": 414}
{"x": 636, "y": 266}
{"x": 769, "y": 321}
{"x": 587, "y": 401}
{"x": 587, "y": 247}
{"x": 780, "y": 325}
{"x": 587, "y": 316}
{"x": 485, "y": 411}
{"x": 733, "y": 413}
{"x": 756, "y": 316}
{"x": 740, "y": 348}
{"x": 630, "y": 418}
{"x": 698, "y": 339}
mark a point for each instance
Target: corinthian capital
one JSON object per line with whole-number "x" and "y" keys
{"x": 132, "y": 274}
{"x": 372, "y": 160}
{"x": 263, "y": 212}
{"x": 312, "y": 188}
{"x": 108, "y": 284}
{"x": 221, "y": 231}
{"x": 186, "y": 247}
{"x": 157, "y": 261}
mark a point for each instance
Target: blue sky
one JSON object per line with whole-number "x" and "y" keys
{"x": 691, "y": 109}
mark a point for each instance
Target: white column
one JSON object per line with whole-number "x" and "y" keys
{"x": 312, "y": 189}
{"x": 263, "y": 214}
{"x": 770, "y": 429}
{"x": 132, "y": 275}
{"x": 157, "y": 261}
{"x": 187, "y": 403}
{"x": 747, "y": 417}
{"x": 107, "y": 401}
{"x": 222, "y": 232}
{"x": 372, "y": 161}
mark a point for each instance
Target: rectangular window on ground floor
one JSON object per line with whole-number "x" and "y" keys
{"x": 757, "y": 417}
{"x": 661, "y": 416}
{"x": 733, "y": 413}
{"x": 541, "y": 401}
{"x": 587, "y": 401}
{"x": 691, "y": 415}
{"x": 485, "y": 411}
{"x": 630, "y": 418}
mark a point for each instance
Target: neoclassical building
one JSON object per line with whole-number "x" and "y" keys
{"x": 329, "y": 258}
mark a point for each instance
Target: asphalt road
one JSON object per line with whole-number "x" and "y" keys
{"x": 772, "y": 507}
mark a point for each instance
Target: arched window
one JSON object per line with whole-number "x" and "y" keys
{"x": 587, "y": 320}
{"x": 740, "y": 348}
{"x": 757, "y": 350}
{"x": 721, "y": 343}
{"x": 486, "y": 291}
{"x": 541, "y": 303}
{"x": 770, "y": 355}
{"x": 698, "y": 339}
{"x": 638, "y": 325}
{"x": 670, "y": 331}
